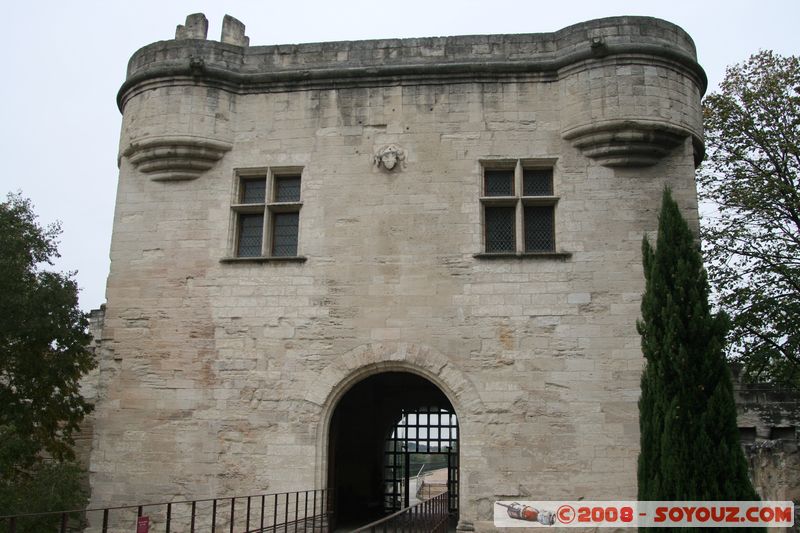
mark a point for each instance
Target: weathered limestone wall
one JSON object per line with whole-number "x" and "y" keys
{"x": 89, "y": 390}
{"x": 220, "y": 375}
{"x": 768, "y": 420}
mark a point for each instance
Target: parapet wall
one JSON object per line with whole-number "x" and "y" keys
{"x": 769, "y": 421}
{"x": 253, "y": 68}
{"x": 630, "y": 86}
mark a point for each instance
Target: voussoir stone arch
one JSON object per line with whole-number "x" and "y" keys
{"x": 368, "y": 359}
{"x": 374, "y": 358}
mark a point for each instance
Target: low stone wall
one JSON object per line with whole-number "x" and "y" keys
{"x": 769, "y": 418}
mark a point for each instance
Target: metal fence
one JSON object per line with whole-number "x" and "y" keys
{"x": 426, "y": 516}
{"x": 285, "y": 512}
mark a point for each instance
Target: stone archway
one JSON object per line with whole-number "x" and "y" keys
{"x": 389, "y": 433}
{"x": 344, "y": 372}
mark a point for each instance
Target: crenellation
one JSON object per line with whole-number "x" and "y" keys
{"x": 233, "y": 32}
{"x": 195, "y": 27}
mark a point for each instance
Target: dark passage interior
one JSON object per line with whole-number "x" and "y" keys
{"x": 391, "y": 434}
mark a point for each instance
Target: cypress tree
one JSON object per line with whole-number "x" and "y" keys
{"x": 689, "y": 438}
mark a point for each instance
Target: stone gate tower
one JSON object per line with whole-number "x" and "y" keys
{"x": 315, "y": 244}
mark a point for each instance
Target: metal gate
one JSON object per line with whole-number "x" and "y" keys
{"x": 424, "y": 440}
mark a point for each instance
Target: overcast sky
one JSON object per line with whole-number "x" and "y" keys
{"x": 63, "y": 62}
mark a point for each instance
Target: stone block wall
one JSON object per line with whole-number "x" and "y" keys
{"x": 769, "y": 424}
{"x": 220, "y": 373}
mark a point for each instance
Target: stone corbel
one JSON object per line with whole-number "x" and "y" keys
{"x": 628, "y": 143}
{"x": 175, "y": 158}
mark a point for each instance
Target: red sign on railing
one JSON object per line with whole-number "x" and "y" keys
{"x": 143, "y": 524}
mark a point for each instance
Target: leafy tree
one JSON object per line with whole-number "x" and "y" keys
{"x": 47, "y": 486}
{"x": 689, "y": 439}
{"x": 752, "y": 244}
{"x": 43, "y": 355}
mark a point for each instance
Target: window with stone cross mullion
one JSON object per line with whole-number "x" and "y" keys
{"x": 518, "y": 206}
{"x": 266, "y": 211}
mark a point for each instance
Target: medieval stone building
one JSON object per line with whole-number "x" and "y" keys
{"x": 329, "y": 257}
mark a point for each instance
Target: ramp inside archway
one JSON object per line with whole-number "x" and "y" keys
{"x": 387, "y": 432}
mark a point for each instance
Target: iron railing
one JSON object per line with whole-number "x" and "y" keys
{"x": 426, "y": 516}
{"x": 284, "y": 512}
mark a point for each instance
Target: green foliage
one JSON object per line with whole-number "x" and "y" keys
{"x": 47, "y": 486}
{"x": 752, "y": 245}
{"x": 689, "y": 439}
{"x": 43, "y": 355}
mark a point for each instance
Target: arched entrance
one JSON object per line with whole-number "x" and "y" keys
{"x": 393, "y": 441}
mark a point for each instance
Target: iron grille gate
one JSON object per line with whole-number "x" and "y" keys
{"x": 426, "y": 436}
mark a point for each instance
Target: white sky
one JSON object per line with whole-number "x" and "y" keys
{"x": 63, "y": 62}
